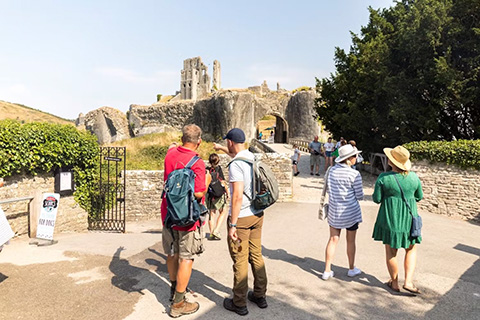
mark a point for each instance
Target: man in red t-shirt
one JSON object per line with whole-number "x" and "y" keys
{"x": 183, "y": 243}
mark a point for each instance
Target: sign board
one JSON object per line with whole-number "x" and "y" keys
{"x": 112, "y": 159}
{"x": 48, "y": 215}
{"x": 66, "y": 181}
{"x": 6, "y": 232}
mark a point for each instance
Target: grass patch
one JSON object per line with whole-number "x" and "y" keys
{"x": 148, "y": 152}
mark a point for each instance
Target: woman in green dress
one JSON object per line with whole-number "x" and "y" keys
{"x": 394, "y": 219}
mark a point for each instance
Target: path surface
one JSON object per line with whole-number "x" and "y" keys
{"x": 124, "y": 276}
{"x": 306, "y": 188}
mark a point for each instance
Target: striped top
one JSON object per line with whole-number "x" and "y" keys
{"x": 344, "y": 191}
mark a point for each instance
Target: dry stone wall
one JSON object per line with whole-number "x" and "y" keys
{"x": 70, "y": 217}
{"x": 143, "y": 194}
{"x": 144, "y": 188}
{"x": 449, "y": 190}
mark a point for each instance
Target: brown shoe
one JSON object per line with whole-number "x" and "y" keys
{"x": 183, "y": 308}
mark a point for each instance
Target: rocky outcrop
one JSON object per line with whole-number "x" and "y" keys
{"x": 108, "y": 124}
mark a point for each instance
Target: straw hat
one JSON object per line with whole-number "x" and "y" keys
{"x": 399, "y": 156}
{"x": 346, "y": 152}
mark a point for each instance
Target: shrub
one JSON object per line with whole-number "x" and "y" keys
{"x": 464, "y": 153}
{"x": 35, "y": 148}
{"x": 304, "y": 88}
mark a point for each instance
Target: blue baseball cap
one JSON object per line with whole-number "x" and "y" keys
{"x": 236, "y": 135}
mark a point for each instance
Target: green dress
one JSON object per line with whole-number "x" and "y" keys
{"x": 394, "y": 220}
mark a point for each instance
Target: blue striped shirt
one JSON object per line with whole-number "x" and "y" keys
{"x": 344, "y": 188}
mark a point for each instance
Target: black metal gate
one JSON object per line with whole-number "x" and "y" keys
{"x": 109, "y": 203}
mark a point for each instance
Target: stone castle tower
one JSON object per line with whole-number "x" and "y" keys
{"x": 195, "y": 81}
{"x": 216, "y": 75}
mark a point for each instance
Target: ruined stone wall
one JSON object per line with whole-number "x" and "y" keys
{"x": 301, "y": 116}
{"x": 160, "y": 117}
{"x": 143, "y": 194}
{"x": 70, "y": 217}
{"x": 449, "y": 190}
{"x": 108, "y": 124}
{"x": 195, "y": 81}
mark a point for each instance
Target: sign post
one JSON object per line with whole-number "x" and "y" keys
{"x": 6, "y": 232}
{"x": 48, "y": 216}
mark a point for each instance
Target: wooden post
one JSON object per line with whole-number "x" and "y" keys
{"x": 34, "y": 213}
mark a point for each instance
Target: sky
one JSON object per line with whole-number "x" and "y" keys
{"x": 68, "y": 57}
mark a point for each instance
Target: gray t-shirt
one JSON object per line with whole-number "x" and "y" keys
{"x": 316, "y": 146}
{"x": 242, "y": 171}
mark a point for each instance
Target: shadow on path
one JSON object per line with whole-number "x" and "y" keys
{"x": 463, "y": 300}
{"x": 135, "y": 279}
{"x": 199, "y": 282}
{"x": 316, "y": 268}
{"x": 3, "y": 277}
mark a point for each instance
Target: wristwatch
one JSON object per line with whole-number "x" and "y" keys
{"x": 231, "y": 225}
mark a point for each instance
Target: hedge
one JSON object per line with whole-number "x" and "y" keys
{"x": 464, "y": 153}
{"x": 35, "y": 148}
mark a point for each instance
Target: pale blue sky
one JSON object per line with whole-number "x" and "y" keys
{"x": 67, "y": 57}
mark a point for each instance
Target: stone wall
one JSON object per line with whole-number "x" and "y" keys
{"x": 143, "y": 194}
{"x": 144, "y": 188}
{"x": 70, "y": 217}
{"x": 449, "y": 190}
{"x": 281, "y": 166}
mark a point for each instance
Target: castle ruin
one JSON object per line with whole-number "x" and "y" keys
{"x": 216, "y": 75}
{"x": 195, "y": 81}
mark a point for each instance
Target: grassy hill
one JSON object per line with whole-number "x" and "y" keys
{"x": 26, "y": 114}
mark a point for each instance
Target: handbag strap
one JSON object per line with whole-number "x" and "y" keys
{"x": 324, "y": 191}
{"x": 403, "y": 195}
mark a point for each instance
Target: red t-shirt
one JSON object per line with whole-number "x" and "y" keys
{"x": 177, "y": 158}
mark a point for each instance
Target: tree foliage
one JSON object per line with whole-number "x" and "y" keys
{"x": 412, "y": 74}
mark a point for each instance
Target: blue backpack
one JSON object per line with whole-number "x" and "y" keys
{"x": 182, "y": 207}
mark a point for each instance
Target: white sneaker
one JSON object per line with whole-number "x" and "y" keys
{"x": 354, "y": 272}
{"x": 327, "y": 275}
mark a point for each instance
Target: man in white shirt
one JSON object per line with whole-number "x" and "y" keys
{"x": 244, "y": 227}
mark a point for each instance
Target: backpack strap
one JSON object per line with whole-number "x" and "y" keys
{"x": 192, "y": 162}
{"x": 252, "y": 163}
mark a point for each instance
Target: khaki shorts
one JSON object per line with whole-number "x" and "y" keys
{"x": 315, "y": 160}
{"x": 187, "y": 244}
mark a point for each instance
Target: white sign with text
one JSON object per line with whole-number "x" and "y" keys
{"x": 48, "y": 215}
{"x": 6, "y": 232}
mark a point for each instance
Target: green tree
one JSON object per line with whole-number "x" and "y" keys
{"x": 411, "y": 74}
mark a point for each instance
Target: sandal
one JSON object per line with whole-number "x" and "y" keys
{"x": 390, "y": 285}
{"x": 413, "y": 290}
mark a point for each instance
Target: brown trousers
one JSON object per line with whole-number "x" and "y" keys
{"x": 248, "y": 250}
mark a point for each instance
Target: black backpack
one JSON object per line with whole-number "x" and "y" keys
{"x": 216, "y": 188}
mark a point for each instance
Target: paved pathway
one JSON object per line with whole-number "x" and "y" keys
{"x": 124, "y": 276}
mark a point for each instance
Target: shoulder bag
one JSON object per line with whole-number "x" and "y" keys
{"x": 416, "y": 229}
{"x": 323, "y": 210}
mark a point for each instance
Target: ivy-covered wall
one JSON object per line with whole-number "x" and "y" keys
{"x": 39, "y": 148}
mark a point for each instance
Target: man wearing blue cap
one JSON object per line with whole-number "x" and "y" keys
{"x": 244, "y": 228}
